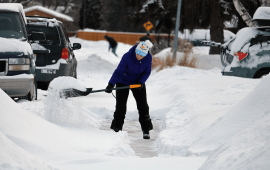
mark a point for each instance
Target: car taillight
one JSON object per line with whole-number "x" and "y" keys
{"x": 64, "y": 53}
{"x": 241, "y": 55}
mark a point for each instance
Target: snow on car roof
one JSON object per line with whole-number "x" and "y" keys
{"x": 51, "y": 12}
{"x": 243, "y": 37}
{"x": 262, "y": 13}
{"x": 15, "y": 7}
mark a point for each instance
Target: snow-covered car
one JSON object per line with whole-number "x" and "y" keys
{"x": 199, "y": 35}
{"x": 54, "y": 56}
{"x": 17, "y": 65}
{"x": 248, "y": 54}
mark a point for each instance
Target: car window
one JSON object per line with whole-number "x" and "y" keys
{"x": 11, "y": 25}
{"x": 51, "y": 33}
{"x": 65, "y": 32}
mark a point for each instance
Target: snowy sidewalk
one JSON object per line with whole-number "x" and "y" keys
{"x": 143, "y": 148}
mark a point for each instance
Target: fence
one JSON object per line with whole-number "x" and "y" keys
{"x": 127, "y": 38}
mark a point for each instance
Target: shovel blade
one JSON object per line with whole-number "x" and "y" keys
{"x": 68, "y": 93}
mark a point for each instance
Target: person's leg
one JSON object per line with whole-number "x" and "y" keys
{"x": 120, "y": 108}
{"x": 113, "y": 50}
{"x": 143, "y": 108}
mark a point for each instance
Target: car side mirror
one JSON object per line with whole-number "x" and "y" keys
{"x": 76, "y": 46}
{"x": 37, "y": 36}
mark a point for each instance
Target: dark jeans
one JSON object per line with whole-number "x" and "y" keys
{"x": 113, "y": 50}
{"x": 121, "y": 108}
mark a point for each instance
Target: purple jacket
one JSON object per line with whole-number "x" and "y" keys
{"x": 130, "y": 70}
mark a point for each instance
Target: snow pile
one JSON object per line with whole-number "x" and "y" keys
{"x": 13, "y": 156}
{"x": 61, "y": 83}
{"x": 199, "y": 99}
{"x": 62, "y": 111}
{"x": 242, "y": 135}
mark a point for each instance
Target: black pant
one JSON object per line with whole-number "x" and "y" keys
{"x": 121, "y": 108}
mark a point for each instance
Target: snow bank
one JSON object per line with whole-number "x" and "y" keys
{"x": 204, "y": 60}
{"x": 242, "y": 135}
{"x": 197, "y": 99}
{"x": 13, "y": 157}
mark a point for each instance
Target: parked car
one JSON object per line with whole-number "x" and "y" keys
{"x": 54, "y": 56}
{"x": 17, "y": 65}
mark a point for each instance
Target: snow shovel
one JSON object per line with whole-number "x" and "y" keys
{"x": 67, "y": 93}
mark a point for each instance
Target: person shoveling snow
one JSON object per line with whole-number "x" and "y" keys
{"x": 134, "y": 67}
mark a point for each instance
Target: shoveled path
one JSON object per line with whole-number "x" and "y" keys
{"x": 143, "y": 148}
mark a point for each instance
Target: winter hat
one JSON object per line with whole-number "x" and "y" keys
{"x": 143, "y": 48}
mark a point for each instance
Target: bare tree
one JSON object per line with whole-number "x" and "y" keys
{"x": 244, "y": 13}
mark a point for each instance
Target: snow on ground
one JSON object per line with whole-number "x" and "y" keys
{"x": 208, "y": 120}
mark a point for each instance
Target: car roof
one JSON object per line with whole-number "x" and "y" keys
{"x": 13, "y": 7}
{"x": 42, "y": 21}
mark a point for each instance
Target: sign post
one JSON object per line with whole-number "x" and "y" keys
{"x": 176, "y": 28}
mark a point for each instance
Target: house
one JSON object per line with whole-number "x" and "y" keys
{"x": 45, "y": 12}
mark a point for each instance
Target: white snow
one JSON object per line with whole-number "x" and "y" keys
{"x": 19, "y": 76}
{"x": 209, "y": 121}
{"x": 15, "y": 45}
{"x": 262, "y": 13}
{"x": 243, "y": 37}
{"x": 203, "y": 34}
{"x": 49, "y": 11}
{"x": 36, "y": 46}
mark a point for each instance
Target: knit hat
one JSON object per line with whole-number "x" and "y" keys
{"x": 143, "y": 48}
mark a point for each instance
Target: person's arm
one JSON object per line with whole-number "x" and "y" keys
{"x": 120, "y": 70}
{"x": 146, "y": 73}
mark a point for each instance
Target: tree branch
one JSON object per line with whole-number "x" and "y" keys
{"x": 243, "y": 13}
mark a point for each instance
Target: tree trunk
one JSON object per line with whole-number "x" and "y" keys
{"x": 216, "y": 30}
{"x": 243, "y": 12}
{"x": 265, "y": 2}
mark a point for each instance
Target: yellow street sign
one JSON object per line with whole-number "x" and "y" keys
{"x": 148, "y": 25}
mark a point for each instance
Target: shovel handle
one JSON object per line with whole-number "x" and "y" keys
{"x": 119, "y": 88}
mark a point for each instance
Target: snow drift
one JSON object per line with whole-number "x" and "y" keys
{"x": 242, "y": 135}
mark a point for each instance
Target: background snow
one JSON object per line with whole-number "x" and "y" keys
{"x": 203, "y": 114}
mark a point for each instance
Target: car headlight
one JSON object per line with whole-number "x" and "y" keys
{"x": 19, "y": 64}
{"x": 19, "y": 61}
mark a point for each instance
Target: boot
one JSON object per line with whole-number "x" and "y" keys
{"x": 146, "y": 135}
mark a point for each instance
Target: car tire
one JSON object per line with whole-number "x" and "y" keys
{"x": 262, "y": 73}
{"x": 32, "y": 95}
{"x": 75, "y": 73}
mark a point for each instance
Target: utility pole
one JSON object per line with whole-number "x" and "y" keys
{"x": 84, "y": 13}
{"x": 176, "y": 28}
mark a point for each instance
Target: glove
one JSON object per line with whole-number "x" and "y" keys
{"x": 109, "y": 88}
{"x": 139, "y": 88}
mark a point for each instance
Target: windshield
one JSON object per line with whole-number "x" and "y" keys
{"x": 11, "y": 25}
{"x": 51, "y": 34}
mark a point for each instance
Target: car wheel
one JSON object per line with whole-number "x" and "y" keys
{"x": 74, "y": 73}
{"x": 262, "y": 73}
{"x": 32, "y": 95}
